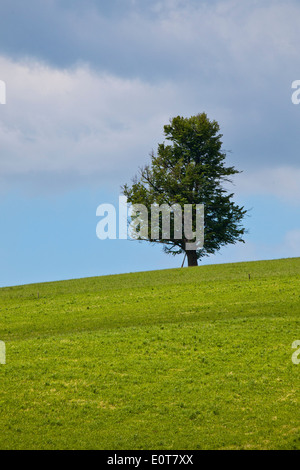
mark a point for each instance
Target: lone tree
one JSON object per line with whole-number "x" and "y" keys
{"x": 190, "y": 171}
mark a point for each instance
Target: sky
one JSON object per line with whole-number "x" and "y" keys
{"x": 89, "y": 87}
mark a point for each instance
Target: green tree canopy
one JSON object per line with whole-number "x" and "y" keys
{"x": 191, "y": 170}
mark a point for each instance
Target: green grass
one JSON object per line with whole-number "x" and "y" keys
{"x": 193, "y": 358}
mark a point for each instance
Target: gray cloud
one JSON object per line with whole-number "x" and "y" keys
{"x": 153, "y": 38}
{"x": 282, "y": 183}
{"x": 79, "y": 122}
{"x": 91, "y": 84}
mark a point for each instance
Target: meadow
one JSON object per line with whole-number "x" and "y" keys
{"x": 191, "y": 358}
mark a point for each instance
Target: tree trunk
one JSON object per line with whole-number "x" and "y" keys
{"x": 192, "y": 258}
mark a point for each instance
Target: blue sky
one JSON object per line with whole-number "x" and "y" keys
{"x": 90, "y": 86}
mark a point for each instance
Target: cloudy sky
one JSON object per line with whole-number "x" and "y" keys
{"x": 89, "y": 87}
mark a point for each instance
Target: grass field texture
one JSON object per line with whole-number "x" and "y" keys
{"x": 192, "y": 358}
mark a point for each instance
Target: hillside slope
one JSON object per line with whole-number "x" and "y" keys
{"x": 193, "y": 358}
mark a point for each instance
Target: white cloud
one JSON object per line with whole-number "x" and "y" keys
{"x": 281, "y": 182}
{"x": 231, "y": 59}
{"x": 78, "y": 120}
{"x": 95, "y": 125}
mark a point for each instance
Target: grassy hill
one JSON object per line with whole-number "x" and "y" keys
{"x": 193, "y": 358}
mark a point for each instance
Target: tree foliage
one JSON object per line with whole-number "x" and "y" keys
{"x": 190, "y": 169}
